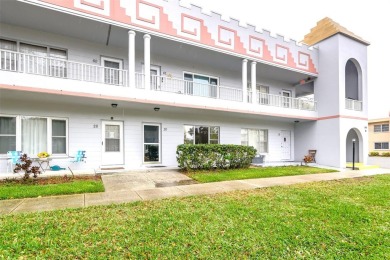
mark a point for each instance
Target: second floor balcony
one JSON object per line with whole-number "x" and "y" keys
{"x": 60, "y": 68}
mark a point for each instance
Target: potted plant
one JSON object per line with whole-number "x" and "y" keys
{"x": 43, "y": 155}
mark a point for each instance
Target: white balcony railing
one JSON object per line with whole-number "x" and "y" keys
{"x": 351, "y": 104}
{"x": 60, "y": 68}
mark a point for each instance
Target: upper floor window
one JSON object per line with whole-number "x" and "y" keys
{"x": 381, "y": 128}
{"x": 201, "y": 85}
{"x": 201, "y": 134}
{"x": 36, "y": 59}
{"x": 256, "y": 138}
{"x": 353, "y": 80}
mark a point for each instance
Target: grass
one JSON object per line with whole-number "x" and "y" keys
{"x": 17, "y": 190}
{"x": 346, "y": 219}
{"x": 252, "y": 173}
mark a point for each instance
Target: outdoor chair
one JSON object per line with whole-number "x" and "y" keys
{"x": 79, "y": 157}
{"x": 312, "y": 153}
{"x": 13, "y": 157}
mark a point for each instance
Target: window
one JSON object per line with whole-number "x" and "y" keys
{"x": 112, "y": 73}
{"x": 381, "y": 128}
{"x": 201, "y": 134}
{"x": 32, "y": 135}
{"x": 201, "y": 85}
{"x": 256, "y": 138}
{"x": 7, "y": 134}
{"x": 262, "y": 92}
{"x": 8, "y": 55}
{"x": 382, "y": 146}
{"x": 37, "y": 59}
{"x": 58, "y": 142}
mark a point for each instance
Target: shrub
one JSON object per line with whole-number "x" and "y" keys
{"x": 214, "y": 156}
{"x": 386, "y": 154}
{"x": 25, "y": 165}
{"x": 373, "y": 154}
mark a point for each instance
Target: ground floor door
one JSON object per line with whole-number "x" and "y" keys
{"x": 112, "y": 143}
{"x": 152, "y": 143}
{"x": 285, "y": 136}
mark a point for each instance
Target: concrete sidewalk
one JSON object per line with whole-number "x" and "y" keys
{"x": 125, "y": 196}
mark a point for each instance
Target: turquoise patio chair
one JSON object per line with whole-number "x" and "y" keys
{"x": 13, "y": 157}
{"x": 79, "y": 157}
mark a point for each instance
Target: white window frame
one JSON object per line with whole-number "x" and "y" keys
{"x": 381, "y": 144}
{"x": 381, "y": 126}
{"x": 256, "y": 129}
{"x": 17, "y": 139}
{"x": 49, "y": 133}
{"x": 120, "y": 61}
{"x": 159, "y": 143}
{"x": 202, "y": 75}
{"x": 209, "y": 132}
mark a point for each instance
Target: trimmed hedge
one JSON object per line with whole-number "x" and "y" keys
{"x": 214, "y": 156}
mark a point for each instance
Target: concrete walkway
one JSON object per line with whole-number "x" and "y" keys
{"x": 127, "y": 194}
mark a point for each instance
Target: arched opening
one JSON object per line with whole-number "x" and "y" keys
{"x": 353, "y": 136}
{"x": 353, "y": 79}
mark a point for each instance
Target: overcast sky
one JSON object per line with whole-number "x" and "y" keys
{"x": 295, "y": 18}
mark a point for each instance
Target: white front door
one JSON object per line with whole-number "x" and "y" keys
{"x": 112, "y": 144}
{"x": 285, "y": 136}
{"x": 286, "y": 98}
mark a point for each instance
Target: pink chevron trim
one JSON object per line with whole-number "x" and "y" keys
{"x": 101, "y": 6}
{"x": 220, "y": 28}
{"x": 153, "y": 19}
{"x": 195, "y": 32}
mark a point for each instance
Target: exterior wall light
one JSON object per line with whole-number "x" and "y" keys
{"x": 113, "y": 105}
{"x": 156, "y": 109}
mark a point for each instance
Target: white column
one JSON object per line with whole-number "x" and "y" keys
{"x": 245, "y": 80}
{"x": 253, "y": 82}
{"x": 147, "y": 61}
{"x": 132, "y": 59}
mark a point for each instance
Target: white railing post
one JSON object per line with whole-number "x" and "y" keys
{"x": 245, "y": 80}
{"x": 253, "y": 82}
{"x": 147, "y": 61}
{"x": 132, "y": 59}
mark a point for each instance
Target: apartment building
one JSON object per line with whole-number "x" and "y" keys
{"x": 129, "y": 80}
{"x": 379, "y": 135}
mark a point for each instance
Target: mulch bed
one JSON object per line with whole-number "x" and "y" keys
{"x": 50, "y": 180}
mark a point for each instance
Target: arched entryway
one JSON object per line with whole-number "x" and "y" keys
{"x": 354, "y": 136}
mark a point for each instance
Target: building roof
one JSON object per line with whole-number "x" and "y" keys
{"x": 379, "y": 120}
{"x": 327, "y": 28}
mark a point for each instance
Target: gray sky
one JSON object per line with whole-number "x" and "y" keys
{"x": 295, "y": 18}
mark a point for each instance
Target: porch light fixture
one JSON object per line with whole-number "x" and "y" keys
{"x": 296, "y": 121}
{"x": 156, "y": 109}
{"x": 113, "y": 105}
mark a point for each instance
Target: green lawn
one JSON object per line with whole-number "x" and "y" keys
{"x": 252, "y": 173}
{"x": 346, "y": 219}
{"x": 17, "y": 191}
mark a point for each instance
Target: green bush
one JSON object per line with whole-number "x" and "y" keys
{"x": 373, "y": 154}
{"x": 386, "y": 154}
{"x": 214, "y": 156}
